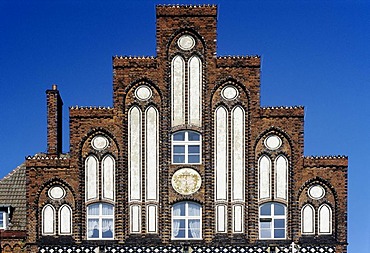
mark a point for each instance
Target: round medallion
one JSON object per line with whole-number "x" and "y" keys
{"x": 99, "y": 143}
{"x": 186, "y": 42}
{"x": 57, "y": 192}
{"x": 316, "y": 192}
{"x": 143, "y": 92}
{"x": 273, "y": 142}
{"x": 186, "y": 181}
{"x": 229, "y": 92}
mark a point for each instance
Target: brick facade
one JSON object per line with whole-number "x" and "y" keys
{"x": 45, "y": 171}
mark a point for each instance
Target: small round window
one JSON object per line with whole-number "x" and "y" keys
{"x": 99, "y": 143}
{"x": 316, "y": 192}
{"x": 57, "y": 192}
{"x": 273, "y": 142}
{"x": 186, "y": 42}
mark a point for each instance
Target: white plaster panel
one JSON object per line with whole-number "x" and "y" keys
{"x": 65, "y": 220}
{"x": 281, "y": 177}
{"x": 151, "y": 149}
{"x": 325, "y": 219}
{"x": 238, "y": 219}
{"x": 237, "y": 150}
{"x": 221, "y": 153}
{"x": 48, "y": 216}
{"x": 308, "y": 222}
{"x": 91, "y": 182}
{"x": 178, "y": 91}
{"x": 264, "y": 169}
{"x": 221, "y": 216}
{"x": 152, "y": 219}
{"x": 135, "y": 218}
{"x": 135, "y": 154}
{"x": 108, "y": 177}
{"x": 195, "y": 91}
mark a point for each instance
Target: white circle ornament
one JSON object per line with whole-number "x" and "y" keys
{"x": 186, "y": 181}
{"x": 229, "y": 92}
{"x": 273, "y": 142}
{"x": 186, "y": 42}
{"x": 99, "y": 143}
{"x": 57, "y": 192}
{"x": 143, "y": 92}
{"x": 316, "y": 192}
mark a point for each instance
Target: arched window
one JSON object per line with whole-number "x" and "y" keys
{"x": 325, "y": 219}
{"x": 186, "y": 220}
{"x": 272, "y": 221}
{"x": 100, "y": 221}
{"x": 65, "y": 220}
{"x": 264, "y": 177}
{"x": 108, "y": 171}
{"x": 91, "y": 171}
{"x": 48, "y": 218}
{"x": 308, "y": 220}
{"x": 186, "y": 146}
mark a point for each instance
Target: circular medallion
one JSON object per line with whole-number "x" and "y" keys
{"x": 143, "y": 92}
{"x": 99, "y": 143}
{"x": 273, "y": 142}
{"x": 229, "y": 92}
{"x": 186, "y": 181}
{"x": 57, "y": 192}
{"x": 186, "y": 42}
{"x": 316, "y": 192}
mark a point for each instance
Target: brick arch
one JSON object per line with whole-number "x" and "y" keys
{"x": 94, "y": 132}
{"x": 319, "y": 181}
{"x": 51, "y": 182}
{"x": 172, "y": 41}
{"x": 130, "y": 88}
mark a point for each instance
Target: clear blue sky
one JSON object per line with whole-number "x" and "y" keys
{"x": 315, "y": 53}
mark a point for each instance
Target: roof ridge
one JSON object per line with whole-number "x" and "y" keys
{"x": 21, "y": 166}
{"x": 282, "y": 107}
{"x": 326, "y": 157}
{"x": 143, "y": 57}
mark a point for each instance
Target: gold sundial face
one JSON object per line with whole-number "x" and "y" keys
{"x": 186, "y": 181}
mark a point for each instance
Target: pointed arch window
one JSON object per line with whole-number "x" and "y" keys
{"x": 91, "y": 171}
{"x": 48, "y": 220}
{"x": 325, "y": 219}
{"x": 65, "y": 220}
{"x": 108, "y": 171}
{"x": 264, "y": 166}
{"x": 308, "y": 219}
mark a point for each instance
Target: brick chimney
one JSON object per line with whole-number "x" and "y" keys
{"x": 54, "y": 115}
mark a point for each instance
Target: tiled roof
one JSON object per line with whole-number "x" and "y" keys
{"x": 13, "y": 193}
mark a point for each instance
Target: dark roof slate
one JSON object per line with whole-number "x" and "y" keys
{"x": 13, "y": 193}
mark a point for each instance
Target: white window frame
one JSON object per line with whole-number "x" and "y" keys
{"x": 4, "y": 215}
{"x": 272, "y": 218}
{"x": 186, "y": 143}
{"x": 186, "y": 218}
{"x": 43, "y": 219}
{"x": 99, "y": 217}
{"x": 62, "y": 220}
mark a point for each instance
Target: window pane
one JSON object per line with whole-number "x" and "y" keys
{"x": 193, "y": 136}
{"x": 194, "y": 229}
{"x": 193, "y": 209}
{"x": 279, "y": 223}
{"x": 279, "y": 233}
{"x": 179, "y": 149}
{"x": 179, "y": 136}
{"x": 93, "y": 209}
{"x": 179, "y": 209}
{"x": 93, "y": 228}
{"x": 194, "y": 149}
{"x": 193, "y": 159}
{"x": 178, "y": 159}
{"x": 279, "y": 209}
{"x": 107, "y": 228}
{"x": 265, "y": 224}
{"x": 266, "y": 209}
{"x": 107, "y": 209}
{"x": 1, "y": 219}
{"x": 265, "y": 233}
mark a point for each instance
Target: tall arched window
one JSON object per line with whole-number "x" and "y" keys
{"x": 108, "y": 170}
{"x": 272, "y": 221}
{"x": 65, "y": 220}
{"x": 325, "y": 219}
{"x": 100, "y": 221}
{"x": 91, "y": 171}
{"x": 178, "y": 90}
{"x": 186, "y": 220}
{"x": 308, "y": 220}
{"x": 48, "y": 220}
{"x": 281, "y": 177}
{"x": 186, "y": 147}
{"x": 264, "y": 178}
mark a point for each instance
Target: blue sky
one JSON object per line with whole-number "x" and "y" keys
{"x": 314, "y": 53}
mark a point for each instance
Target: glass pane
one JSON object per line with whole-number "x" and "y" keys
{"x": 107, "y": 209}
{"x": 178, "y": 159}
{"x": 279, "y": 209}
{"x": 1, "y": 219}
{"x": 93, "y": 228}
{"x": 194, "y": 229}
{"x": 265, "y": 233}
{"x": 279, "y": 233}
{"x": 265, "y": 224}
{"x": 178, "y": 228}
{"x": 279, "y": 223}
{"x": 179, "y": 209}
{"x": 179, "y": 136}
{"x": 107, "y": 228}
{"x": 193, "y": 136}
{"x": 193, "y": 159}
{"x": 266, "y": 209}
{"x": 193, "y": 209}
{"x": 194, "y": 149}
{"x": 180, "y": 234}
{"x": 179, "y": 149}
{"x": 93, "y": 209}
